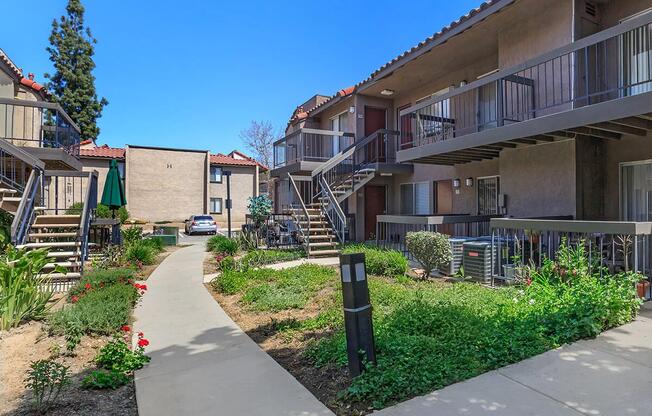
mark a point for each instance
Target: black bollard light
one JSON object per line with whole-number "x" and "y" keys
{"x": 228, "y": 204}
{"x": 357, "y": 312}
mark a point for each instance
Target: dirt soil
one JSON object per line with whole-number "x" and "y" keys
{"x": 287, "y": 348}
{"x": 29, "y": 342}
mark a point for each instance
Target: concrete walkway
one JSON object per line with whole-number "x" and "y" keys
{"x": 608, "y": 376}
{"x": 202, "y": 362}
{"x": 322, "y": 261}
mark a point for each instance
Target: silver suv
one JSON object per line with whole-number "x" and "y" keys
{"x": 201, "y": 224}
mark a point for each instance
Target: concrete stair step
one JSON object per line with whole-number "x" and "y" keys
{"x": 64, "y": 254}
{"x": 323, "y": 252}
{"x": 8, "y": 191}
{"x": 52, "y": 235}
{"x": 53, "y": 244}
{"x": 62, "y": 276}
{"x": 324, "y": 244}
{"x": 54, "y": 225}
{"x": 62, "y": 264}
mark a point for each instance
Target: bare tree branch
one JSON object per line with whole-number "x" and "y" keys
{"x": 258, "y": 139}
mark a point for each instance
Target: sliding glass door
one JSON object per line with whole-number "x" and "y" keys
{"x": 636, "y": 191}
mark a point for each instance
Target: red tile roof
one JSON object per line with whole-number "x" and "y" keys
{"x": 12, "y": 66}
{"x": 300, "y": 114}
{"x": 30, "y": 83}
{"x": 103, "y": 152}
{"x": 18, "y": 75}
{"x": 220, "y": 159}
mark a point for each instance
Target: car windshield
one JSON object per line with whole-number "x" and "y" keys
{"x": 203, "y": 218}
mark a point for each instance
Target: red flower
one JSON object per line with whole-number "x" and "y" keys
{"x": 528, "y": 282}
{"x": 126, "y": 328}
{"x": 87, "y": 286}
{"x": 143, "y": 342}
{"x": 140, "y": 335}
{"x": 74, "y": 299}
{"x": 143, "y": 287}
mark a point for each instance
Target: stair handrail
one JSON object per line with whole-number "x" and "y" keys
{"x": 340, "y": 225}
{"x": 306, "y": 236}
{"x": 90, "y": 204}
{"x": 25, "y": 212}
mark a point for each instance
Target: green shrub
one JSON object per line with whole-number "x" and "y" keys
{"x": 75, "y": 209}
{"x": 140, "y": 252}
{"x": 380, "y": 261}
{"x": 132, "y": 235}
{"x": 259, "y": 258}
{"x": 431, "y": 335}
{"x": 221, "y": 244}
{"x": 99, "y": 311}
{"x": 431, "y": 250}
{"x": 47, "y": 379}
{"x": 21, "y": 298}
{"x": 103, "y": 379}
{"x": 117, "y": 356}
{"x": 123, "y": 214}
{"x": 100, "y": 278}
{"x": 156, "y": 243}
{"x": 102, "y": 211}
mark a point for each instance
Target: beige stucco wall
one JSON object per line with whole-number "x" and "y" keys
{"x": 243, "y": 186}
{"x": 166, "y": 185}
{"x": 102, "y": 168}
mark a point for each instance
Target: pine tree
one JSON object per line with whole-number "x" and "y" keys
{"x": 73, "y": 83}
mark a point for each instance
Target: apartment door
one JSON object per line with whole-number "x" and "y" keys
{"x": 443, "y": 197}
{"x": 375, "y": 119}
{"x": 375, "y": 203}
{"x": 405, "y": 127}
{"x": 488, "y": 191}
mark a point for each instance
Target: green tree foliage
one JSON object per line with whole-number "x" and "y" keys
{"x": 430, "y": 249}
{"x": 73, "y": 83}
{"x": 259, "y": 208}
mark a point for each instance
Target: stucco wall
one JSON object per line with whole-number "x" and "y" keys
{"x": 243, "y": 185}
{"x": 102, "y": 168}
{"x": 165, "y": 185}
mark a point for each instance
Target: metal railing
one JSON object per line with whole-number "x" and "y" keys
{"x": 391, "y": 230}
{"x": 304, "y": 233}
{"x": 24, "y": 216}
{"x": 38, "y": 124}
{"x": 605, "y": 66}
{"x": 612, "y": 245}
{"x": 311, "y": 145}
{"x": 333, "y": 210}
{"x": 87, "y": 214}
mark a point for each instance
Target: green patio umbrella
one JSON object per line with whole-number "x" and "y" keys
{"x": 113, "y": 195}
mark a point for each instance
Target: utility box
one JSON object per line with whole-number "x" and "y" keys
{"x": 458, "y": 253}
{"x": 477, "y": 256}
{"x": 169, "y": 235}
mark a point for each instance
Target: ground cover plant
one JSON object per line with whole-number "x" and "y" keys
{"x": 256, "y": 258}
{"x": 222, "y": 245}
{"x": 430, "y": 334}
{"x": 379, "y": 261}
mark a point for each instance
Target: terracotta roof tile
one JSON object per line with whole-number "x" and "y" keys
{"x": 103, "y": 152}
{"x": 220, "y": 159}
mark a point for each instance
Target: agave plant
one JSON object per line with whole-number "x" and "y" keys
{"x": 23, "y": 292}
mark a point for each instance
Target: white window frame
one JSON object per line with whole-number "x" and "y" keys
{"x": 211, "y": 174}
{"x": 211, "y": 205}
{"x": 336, "y": 139}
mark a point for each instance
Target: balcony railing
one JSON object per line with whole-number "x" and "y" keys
{"x": 38, "y": 124}
{"x": 611, "y": 246}
{"x": 611, "y": 64}
{"x": 391, "y": 230}
{"x": 310, "y": 145}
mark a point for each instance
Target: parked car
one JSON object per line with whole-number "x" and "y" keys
{"x": 201, "y": 224}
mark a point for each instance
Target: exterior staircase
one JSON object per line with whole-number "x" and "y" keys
{"x": 318, "y": 237}
{"x": 60, "y": 235}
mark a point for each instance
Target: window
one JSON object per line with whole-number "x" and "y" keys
{"x": 337, "y": 124}
{"x": 488, "y": 191}
{"x": 216, "y": 205}
{"x": 415, "y": 198}
{"x": 216, "y": 174}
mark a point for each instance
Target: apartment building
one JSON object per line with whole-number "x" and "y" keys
{"x": 41, "y": 178}
{"x": 170, "y": 184}
{"x": 520, "y": 108}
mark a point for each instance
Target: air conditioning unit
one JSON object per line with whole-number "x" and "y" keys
{"x": 456, "y": 247}
{"x": 477, "y": 260}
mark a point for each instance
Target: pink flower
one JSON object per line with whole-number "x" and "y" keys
{"x": 74, "y": 299}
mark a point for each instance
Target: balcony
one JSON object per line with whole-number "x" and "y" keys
{"x": 306, "y": 149}
{"x": 595, "y": 87}
{"x": 42, "y": 129}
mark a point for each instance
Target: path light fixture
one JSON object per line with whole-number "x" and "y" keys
{"x": 357, "y": 313}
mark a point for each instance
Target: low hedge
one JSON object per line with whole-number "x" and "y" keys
{"x": 379, "y": 261}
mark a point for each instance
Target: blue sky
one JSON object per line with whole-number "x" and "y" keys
{"x": 194, "y": 73}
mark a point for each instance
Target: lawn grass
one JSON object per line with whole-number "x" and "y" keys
{"x": 431, "y": 334}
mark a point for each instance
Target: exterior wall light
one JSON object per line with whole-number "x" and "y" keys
{"x": 387, "y": 92}
{"x": 469, "y": 182}
{"x": 457, "y": 183}
{"x": 351, "y": 109}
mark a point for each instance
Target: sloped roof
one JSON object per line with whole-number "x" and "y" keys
{"x": 300, "y": 113}
{"x": 228, "y": 160}
{"x": 103, "y": 152}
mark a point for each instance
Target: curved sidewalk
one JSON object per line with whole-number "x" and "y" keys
{"x": 202, "y": 362}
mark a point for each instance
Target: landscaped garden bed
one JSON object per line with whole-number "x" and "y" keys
{"x": 429, "y": 333}
{"x": 77, "y": 346}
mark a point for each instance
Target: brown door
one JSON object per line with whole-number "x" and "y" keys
{"x": 374, "y": 120}
{"x": 443, "y": 192}
{"x": 374, "y": 204}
